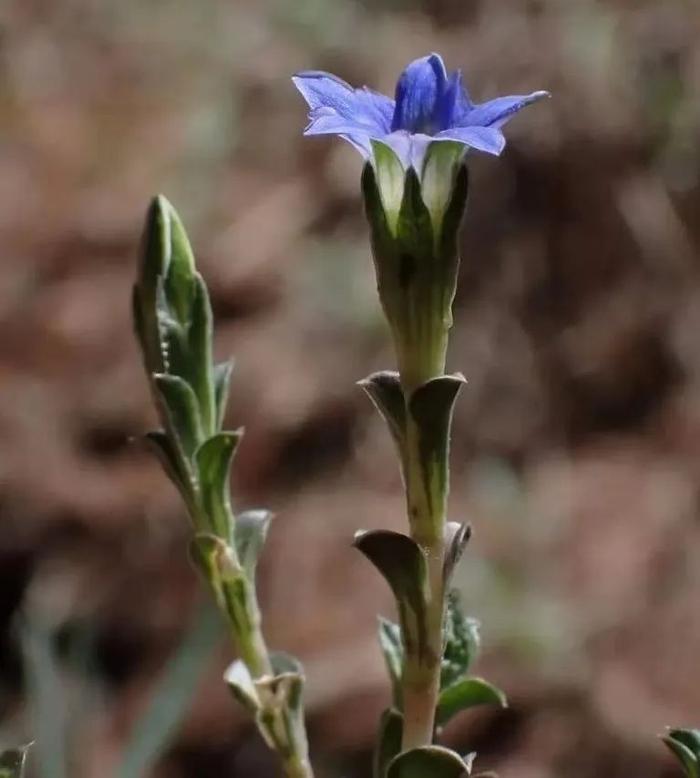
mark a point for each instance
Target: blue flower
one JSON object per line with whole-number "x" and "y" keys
{"x": 430, "y": 105}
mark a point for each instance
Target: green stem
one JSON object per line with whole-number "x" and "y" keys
{"x": 421, "y": 674}
{"x": 298, "y": 766}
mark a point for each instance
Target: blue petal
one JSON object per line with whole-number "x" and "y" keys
{"x": 338, "y": 108}
{"x": 488, "y": 139}
{"x": 495, "y": 113}
{"x": 420, "y": 94}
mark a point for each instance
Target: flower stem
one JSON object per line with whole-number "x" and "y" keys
{"x": 421, "y": 673}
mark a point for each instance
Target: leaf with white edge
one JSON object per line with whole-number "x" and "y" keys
{"x": 384, "y": 389}
{"x": 250, "y": 532}
{"x": 392, "y": 650}
{"x": 241, "y": 685}
{"x": 388, "y": 741}
{"x": 467, "y": 693}
{"x": 213, "y": 459}
{"x": 685, "y": 745}
{"x": 456, "y": 538}
{"x": 222, "y": 382}
{"x": 431, "y": 406}
{"x": 180, "y": 411}
{"x": 403, "y": 564}
{"x": 430, "y": 762}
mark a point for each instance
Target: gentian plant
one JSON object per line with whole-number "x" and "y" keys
{"x": 414, "y": 185}
{"x": 173, "y": 323}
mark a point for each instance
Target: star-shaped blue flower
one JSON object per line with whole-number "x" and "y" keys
{"x": 431, "y": 105}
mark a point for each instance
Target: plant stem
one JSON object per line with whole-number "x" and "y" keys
{"x": 421, "y": 674}
{"x": 298, "y": 766}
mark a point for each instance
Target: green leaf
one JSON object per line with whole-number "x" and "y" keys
{"x": 222, "y": 381}
{"x": 402, "y": 563}
{"x": 180, "y": 273}
{"x": 685, "y": 745}
{"x": 467, "y": 693}
{"x": 388, "y": 741}
{"x": 392, "y": 650}
{"x": 384, "y": 389}
{"x": 172, "y": 695}
{"x": 200, "y": 335}
{"x": 250, "y": 532}
{"x": 431, "y": 406}
{"x": 461, "y": 636}
{"x": 213, "y": 459}
{"x": 430, "y": 762}
{"x": 456, "y": 538}
{"x": 180, "y": 411}
{"x": 415, "y": 228}
{"x": 12, "y": 762}
{"x": 448, "y": 236}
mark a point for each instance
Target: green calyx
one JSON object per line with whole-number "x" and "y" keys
{"x": 414, "y": 220}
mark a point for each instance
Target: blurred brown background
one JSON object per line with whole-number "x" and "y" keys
{"x": 577, "y": 441}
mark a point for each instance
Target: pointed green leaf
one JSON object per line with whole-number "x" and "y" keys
{"x": 402, "y": 563}
{"x": 249, "y": 534}
{"x": 179, "y": 276}
{"x": 392, "y": 650}
{"x": 461, "y": 636}
{"x": 430, "y": 762}
{"x": 388, "y": 741}
{"x": 200, "y": 335}
{"x": 690, "y": 738}
{"x": 12, "y": 762}
{"x": 179, "y": 410}
{"x": 431, "y": 407}
{"x": 452, "y": 218}
{"x": 213, "y": 459}
{"x": 222, "y": 382}
{"x": 384, "y": 389}
{"x": 155, "y": 244}
{"x": 685, "y": 745}
{"x": 456, "y": 539}
{"x": 467, "y": 693}
{"x": 415, "y": 228}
